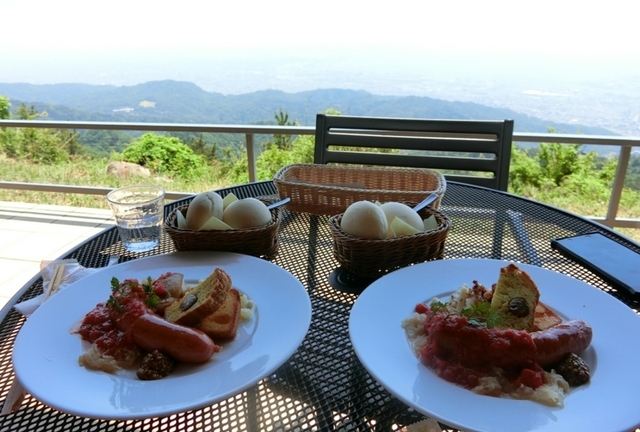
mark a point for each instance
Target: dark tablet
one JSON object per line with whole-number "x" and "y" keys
{"x": 613, "y": 262}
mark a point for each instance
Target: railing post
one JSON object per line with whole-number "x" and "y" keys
{"x": 618, "y": 185}
{"x": 251, "y": 158}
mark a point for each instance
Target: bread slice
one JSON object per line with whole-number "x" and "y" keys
{"x": 222, "y": 325}
{"x": 515, "y": 298}
{"x": 209, "y": 295}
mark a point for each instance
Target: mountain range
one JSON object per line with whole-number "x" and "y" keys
{"x": 171, "y": 101}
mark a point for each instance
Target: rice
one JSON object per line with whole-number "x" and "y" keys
{"x": 414, "y": 327}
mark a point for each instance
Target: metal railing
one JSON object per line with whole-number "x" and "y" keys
{"x": 625, "y": 144}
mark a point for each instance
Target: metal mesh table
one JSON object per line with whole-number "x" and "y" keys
{"x": 323, "y": 385}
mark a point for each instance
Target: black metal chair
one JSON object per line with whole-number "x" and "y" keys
{"x": 468, "y": 151}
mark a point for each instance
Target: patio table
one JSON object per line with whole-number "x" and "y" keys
{"x": 322, "y": 386}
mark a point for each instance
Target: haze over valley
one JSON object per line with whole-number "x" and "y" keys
{"x": 558, "y": 61}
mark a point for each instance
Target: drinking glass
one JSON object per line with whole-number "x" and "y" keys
{"x": 139, "y": 212}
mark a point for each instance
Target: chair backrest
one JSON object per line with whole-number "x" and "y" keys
{"x": 469, "y": 151}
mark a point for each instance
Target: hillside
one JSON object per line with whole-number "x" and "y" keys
{"x": 182, "y": 102}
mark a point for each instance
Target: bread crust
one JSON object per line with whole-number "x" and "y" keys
{"x": 515, "y": 283}
{"x": 210, "y": 295}
{"x": 222, "y": 325}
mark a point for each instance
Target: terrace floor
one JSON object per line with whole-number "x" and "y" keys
{"x": 31, "y": 233}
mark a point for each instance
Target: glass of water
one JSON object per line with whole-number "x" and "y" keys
{"x": 139, "y": 213}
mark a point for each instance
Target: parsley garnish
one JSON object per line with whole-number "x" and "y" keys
{"x": 125, "y": 289}
{"x": 112, "y": 301}
{"x": 480, "y": 314}
{"x": 438, "y": 306}
{"x": 152, "y": 298}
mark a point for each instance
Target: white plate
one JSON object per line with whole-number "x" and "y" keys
{"x": 45, "y": 354}
{"x": 610, "y": 402}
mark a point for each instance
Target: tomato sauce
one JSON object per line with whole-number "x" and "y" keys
{"x": 462, "y": 352}
{"x": 100, "y": 328}
{"x": 108, "y": 323}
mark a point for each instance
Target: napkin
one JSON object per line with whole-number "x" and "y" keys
{"x": 72, "y": 272}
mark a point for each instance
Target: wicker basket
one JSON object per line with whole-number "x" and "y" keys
{"x": 259, "y": 242}
{"x": 329, "y": 190}
{"x": 375, "y": 258}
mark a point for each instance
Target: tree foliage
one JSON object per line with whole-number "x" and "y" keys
{"x": 41, "y": 146}
{"x": 25, "y": 112}
{"x": 282, "y": 142}
{"x": 565, "y": 176}
{"x": 560, "y": 174}
{"x": 100, "y": 143}
{"x": 5, "y": 107}
{"x": 164, "y": 155}
{"x": 272, "y": 159}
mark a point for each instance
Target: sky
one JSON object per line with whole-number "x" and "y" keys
{"x": 122, "y": 42}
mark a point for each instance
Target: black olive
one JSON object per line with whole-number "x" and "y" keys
{"x": 518, "y": 307}
{"x": 188, "y": 301}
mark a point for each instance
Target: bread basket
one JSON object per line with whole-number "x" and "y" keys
{"x": 259, "y": 242}
{"x": 330, "y": 189}
{"x": 374, "y": 258}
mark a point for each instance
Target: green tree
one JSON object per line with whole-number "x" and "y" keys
{"x": 283, "y": 142}
{"x": 331, "y": 111}
{"x": 101, "y": 143}
{"x": 25, "y": 112}
{"x": 42, "y": 146}
{"x": 235, "y": 169}
{"x": 165, "y": 155}
{"x": 524, "y": 171}
{"x": 564, "y": 176}
{"x": 5, "y": 107}
{"x": 303, "y": 148}
{"x": 201, "y": 146}
{"x": 558, "y": 161}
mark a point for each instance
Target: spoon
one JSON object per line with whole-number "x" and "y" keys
{"x": 278, "y": 203}
{"x": 425, "y": 202}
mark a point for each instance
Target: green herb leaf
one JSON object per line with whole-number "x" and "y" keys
{"x": 481, "y": 314}
{"x": 438, "y": 306}
{"x": 112, "y": 301}
{"x": 152, "y": 298}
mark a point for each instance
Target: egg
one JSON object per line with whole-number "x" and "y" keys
{"x": 246, "y": 213}
{"x": 364, "y": 219}
{"x": 403, "y": 212}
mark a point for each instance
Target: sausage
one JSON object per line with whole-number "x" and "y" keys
{"x": 554, "y": 343}
{"x": 184, "y": 344}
